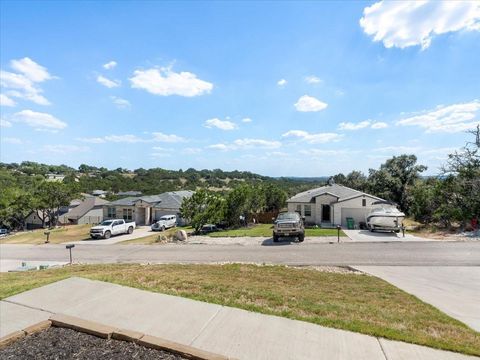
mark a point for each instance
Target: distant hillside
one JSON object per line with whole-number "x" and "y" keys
{"x": 156, "y": 180}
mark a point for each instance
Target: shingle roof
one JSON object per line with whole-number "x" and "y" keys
{"x": 84, "y": 207}
{"x": 340, "y": 191}
{"x": 167, "y": 200}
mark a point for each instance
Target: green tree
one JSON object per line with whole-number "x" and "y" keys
{"x": 203, "y": 208}
{"x": 50, "y": 196}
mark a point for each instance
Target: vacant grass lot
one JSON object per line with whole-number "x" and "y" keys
{"x": 57, "y": 236}
{"x": 265, "y": 230}
{"x": 353, "y": 302}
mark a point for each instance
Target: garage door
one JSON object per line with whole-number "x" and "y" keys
{"x": 355, "y": 213}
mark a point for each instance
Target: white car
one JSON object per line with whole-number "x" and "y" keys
{"x": 165, "y": 222}
{"x": 108, "y": 228}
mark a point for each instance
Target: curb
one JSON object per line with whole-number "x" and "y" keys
{"x": 17, "y": 335}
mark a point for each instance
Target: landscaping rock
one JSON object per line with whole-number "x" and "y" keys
{"x": 181, "y": 235}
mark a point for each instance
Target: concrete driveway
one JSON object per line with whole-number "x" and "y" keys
{"x": 139, "y": 232}
{"x": 453, "y": 289}
{"x": 367, "y": 236}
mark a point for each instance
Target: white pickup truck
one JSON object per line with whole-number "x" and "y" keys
{"x": 108, "y": 228}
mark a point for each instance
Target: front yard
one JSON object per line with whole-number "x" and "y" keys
{"x": 333, "y": 297}
{"x": 57, "y": 236}
{"x": 265, "y": 230}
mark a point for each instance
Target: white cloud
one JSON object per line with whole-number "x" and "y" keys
{"x": 165, "y": 82}
{"x": 5, "y": 123}
{"x": 107, "y": 82}
{"x": 220, "y": 124}
{"x": 31, "y": 70}
{"x": 282, "y": 82}
{"x": 25, "y": 85}
{"x": 12, "y": 140}
{"x": 120, "y": 103}
{"x": 124, "y": 138}
{"x": 159, "y": 148}
{"x": 452, "y": 118}
{"x": 379, "y": 125}
{"x": 6, "y": 101}
{"x": 64, "y": 149}
{"x": 353, "y": 126}
{"x": 410, "y": 23}
{"x": 94, "y": 140}
{"x": 161, "y": 137}
{"x": 246, "y": 143}
{"x": 308, "y": 103}
{"x": 39, "y": 120}
{"x": 312, "y": 79}
{"x": 110, "y": 65}
{"x": 317, "y": 138}
{"x": 247, "y": 120}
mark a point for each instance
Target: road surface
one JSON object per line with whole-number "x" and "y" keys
{"x": 407, "y": 254}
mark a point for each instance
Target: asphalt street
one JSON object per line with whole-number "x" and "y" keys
{"x": 393, "y": 253}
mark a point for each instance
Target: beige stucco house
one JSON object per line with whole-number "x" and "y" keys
{"x": 330, "y": 205}
{"x": 145, "y": 210}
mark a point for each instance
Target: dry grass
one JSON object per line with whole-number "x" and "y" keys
{"x": 57, "y": 236}
{"x": 353, "y": 302}
{"x": 159, "y": 237}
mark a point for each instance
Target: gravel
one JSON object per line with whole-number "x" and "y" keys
{"x": 59, "y": 343}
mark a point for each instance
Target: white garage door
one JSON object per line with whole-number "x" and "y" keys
{"x": 358, "y": 214}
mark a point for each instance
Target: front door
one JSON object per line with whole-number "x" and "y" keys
{"x": 325, "y": 213}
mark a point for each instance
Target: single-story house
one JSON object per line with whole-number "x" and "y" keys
{"x": 89, "y": 211}
{"x": 145, "y": 210}
{"x": 55, "y": 177}
{"x": 332, "y": 204}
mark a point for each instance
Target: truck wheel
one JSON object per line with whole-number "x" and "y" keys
{"x": 130, "y": 229}
{"x": 163, "y": 228}
{"x": 275, "y": 238}
{"x": 301, "y": 238}
{"x": 107, "y": 234}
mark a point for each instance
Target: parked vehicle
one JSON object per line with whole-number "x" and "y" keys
{"x": 289, "y": 224}
{"x": 112, "y": 227}
{"x": 165, "y": 222}
{"x": 3, "y": 232}
{"x": 208, "y": 228}
{"x": 385, "y": 216}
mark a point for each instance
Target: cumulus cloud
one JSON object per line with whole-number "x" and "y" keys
{"x": 282, "y": 82}
{"x": 379, "y": 125}
{"x": 312, "y": 79}
{"x": 110, "y": 65}
{"x": 6, "y": 101}
{"x": 120, "y": 103}
{"x": 220, "y": 124}
{"x": 451, "y": 118}
{"x": 124, "y": 138}
{"x": 5, "y": 123}
{"x": 94, "y": 140}
{"x": 317, "y": 138}
{"x": 246, "y": 143}
{"x": 308, "y": 103}
{"x": 353, "y": 126}
{"x": 39, "y": 120}
{"x": 25, "y": 83}
{"x": 410, "y": 23}
{"x": 165, "y": 82}
{"x": 133, "y": 139}
{"x": 161, "y": 137}
{"x": 107, "y": 82}
{"x": 247, "y": 120}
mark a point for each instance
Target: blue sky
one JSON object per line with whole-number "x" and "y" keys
{"x": 287, "y": 88}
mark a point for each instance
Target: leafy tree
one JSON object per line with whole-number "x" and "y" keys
{"x": 50, "y": 196}
{"x": 203, "y": 208}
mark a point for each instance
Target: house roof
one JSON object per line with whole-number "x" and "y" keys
{"x": 339, "y": 191}
{"x": 167, "y": 200}
{"x": 84, "y": 207}
{"x": 129, "y": 193}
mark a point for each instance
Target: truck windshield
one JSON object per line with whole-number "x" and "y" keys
{"x": 106, "y": 223}
{"x": 288, "y": 216}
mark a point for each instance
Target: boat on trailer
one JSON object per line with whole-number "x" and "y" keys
{"x": 385, "y": 216}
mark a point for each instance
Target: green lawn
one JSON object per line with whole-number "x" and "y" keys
{"x": 360, "y": 303}
{"x": 57, "y": 236}
{"x": 265, "y": 230}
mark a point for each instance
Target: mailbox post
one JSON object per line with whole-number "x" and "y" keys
{"x": 338, "y": 233}
{"x": 47, "y": 234}
{"x": 70, "y": 247}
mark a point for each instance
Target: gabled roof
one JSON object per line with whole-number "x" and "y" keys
{"x": 339, "y": 191}
{"x": 84, "y": 207}
{"x": 167, "y": 200}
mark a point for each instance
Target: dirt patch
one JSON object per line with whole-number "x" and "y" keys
{"x": 59, "y": 343}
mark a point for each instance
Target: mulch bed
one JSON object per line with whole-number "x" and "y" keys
{"x": 60, "y": 343}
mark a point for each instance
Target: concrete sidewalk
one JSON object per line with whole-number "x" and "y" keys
{"x": 223, "y": 330}
{"x": 453, "y": 289}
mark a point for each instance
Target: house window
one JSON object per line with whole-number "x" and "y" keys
{"x": 299, "y": 209}
{"x": 127, "y": 214}
{"x": 307, "y": 210}
{"x": 364, "y": 202}
{"x": 112, "y": 212}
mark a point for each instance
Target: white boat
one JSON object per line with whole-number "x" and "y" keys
{"x": 385, "y": 216}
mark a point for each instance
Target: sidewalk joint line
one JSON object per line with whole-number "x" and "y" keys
{"x": 27, "y": 306}
{"x": 381, "y": 348}
{"x": 205, "y": 326}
